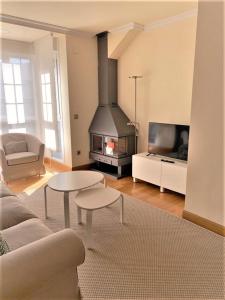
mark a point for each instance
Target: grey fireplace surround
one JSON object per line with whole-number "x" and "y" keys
{"x": 111, "y": 138}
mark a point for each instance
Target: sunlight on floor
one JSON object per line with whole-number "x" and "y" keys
{"x": 31, "y": 184}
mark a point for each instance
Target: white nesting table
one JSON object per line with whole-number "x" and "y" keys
{"x": 96, "y": 198}
{"x": 69, "y": 182}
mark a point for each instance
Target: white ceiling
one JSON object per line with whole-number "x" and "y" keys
{"x": 20, "y": 33}
{"x": 96, "y": 16}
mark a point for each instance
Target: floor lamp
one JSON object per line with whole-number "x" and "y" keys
{"x": 134, "y": 123}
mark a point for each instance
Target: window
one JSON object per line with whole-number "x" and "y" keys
{"x": 17, "y": 106}
{"x": 17, "y": 130}
{"x": 46, "y": 97}
{"x": 12, "y": 84}
{"x": 50, "y": 140}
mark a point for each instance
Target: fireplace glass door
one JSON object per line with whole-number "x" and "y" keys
{"x": 97, "y": 143}
{"x": 116, "y": 147}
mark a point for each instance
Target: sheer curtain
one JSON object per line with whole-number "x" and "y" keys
{"x": 16, "y": 91}
{"x": 47, "y": 77}
{"x": 30, "y": 98}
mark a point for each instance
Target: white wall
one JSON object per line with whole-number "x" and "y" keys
{"x": 11, "y": 47}
{"x": 83, "y": 92}
{"x": 165, "y": 58}
{"x": 205, "y": 182}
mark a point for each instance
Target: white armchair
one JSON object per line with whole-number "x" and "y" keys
{"x": 21, "y": 155}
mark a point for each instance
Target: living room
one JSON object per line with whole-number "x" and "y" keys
{"x": 119, "y": 109}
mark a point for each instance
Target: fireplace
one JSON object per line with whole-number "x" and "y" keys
{"x": 111, "y": 138}
{"x": 113, "y": 151}
{"x": 116, "y": 147}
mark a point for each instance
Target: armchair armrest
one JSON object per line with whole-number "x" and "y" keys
{"x": 3, "y": 162}
{"x": 27, "y": 268}
{"x": 35, "y": 145}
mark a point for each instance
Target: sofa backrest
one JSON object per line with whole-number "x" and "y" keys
{"x": 12, "y": 211}
{"x": 5, "y": 191}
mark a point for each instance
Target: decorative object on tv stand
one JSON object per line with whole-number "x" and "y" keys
{"x": 135, "y": 123}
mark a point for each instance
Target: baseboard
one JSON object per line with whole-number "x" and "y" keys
{"x": 210, "y": 225}
{"x": 83, "y": 167}
{"x": 55, "y": 164}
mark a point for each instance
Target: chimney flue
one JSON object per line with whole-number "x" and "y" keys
{"x": 107, "y": 73}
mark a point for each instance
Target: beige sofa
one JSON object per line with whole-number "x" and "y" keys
{"x": 21, "y": 155}
{"x": 40, "y": 265}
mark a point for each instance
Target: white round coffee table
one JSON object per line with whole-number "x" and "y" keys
{"x": 97, "y": 198}
{"x": 70, "y": 182}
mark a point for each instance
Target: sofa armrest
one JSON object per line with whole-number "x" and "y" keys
{"x": 27, "y": 268}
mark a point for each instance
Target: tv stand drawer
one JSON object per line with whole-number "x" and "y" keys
{"x": 146, "y": 169}
{"x": 173, "y": 177}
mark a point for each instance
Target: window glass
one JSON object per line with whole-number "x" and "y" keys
{"x": 48, "y": 93}
{"x": 49, "y": 112}
{"x": 11, "y": 113}
{"x": 45, "y": 115}
{"x": 50, "y": 140}
{"x": 47, "y": 77}
{"x": 43, "y": 93}
{"x": 7, "y": 73}
{"x": 14, "y": 60}
{"x": 18, "y": 130}
{"x": 17, "y": 74}
{"x": 19, "y": 94}
{"x": 20, "y": 112}
{"x": 9, "y": 93}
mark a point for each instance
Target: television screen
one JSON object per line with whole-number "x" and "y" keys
{"x": 168, "y": 140}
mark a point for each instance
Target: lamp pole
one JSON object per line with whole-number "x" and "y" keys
{"x": 134, "y": 123}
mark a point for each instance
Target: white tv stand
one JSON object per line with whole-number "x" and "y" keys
{"x": 157, "y": 170}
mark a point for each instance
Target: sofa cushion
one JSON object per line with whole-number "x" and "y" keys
{"x": 4, "y": 247}
{"x": 25, "y": 233}
{"x": 12, "y": 212}
{"x": 15, "y": 147}
{"x": 21, "y": 158}
{"x": 5, "y": 191}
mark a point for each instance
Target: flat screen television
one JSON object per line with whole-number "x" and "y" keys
{"x": 168, "y": 140}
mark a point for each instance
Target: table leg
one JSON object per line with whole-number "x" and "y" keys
{"x": 89, "y": 224}
{"x": 66, "y": 209}
{"x": 79, "y": 215}
{"x": 45, "y": 197}
{"x": 121, "y": 209}
{"x": 104, "y": 182}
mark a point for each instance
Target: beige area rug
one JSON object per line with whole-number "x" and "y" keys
{"x": 154, "y": 255}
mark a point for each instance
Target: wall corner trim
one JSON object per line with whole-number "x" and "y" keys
{"x": 127, "y": 27}
{"x": 203, "y": 222}
{"x": 173, "y": 19}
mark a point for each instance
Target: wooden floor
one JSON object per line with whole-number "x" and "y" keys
{"x": 169, "y": 201}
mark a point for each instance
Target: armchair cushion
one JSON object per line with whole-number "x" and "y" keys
{"x": 21, "y": 158}
{"x": 15, "y": 147}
